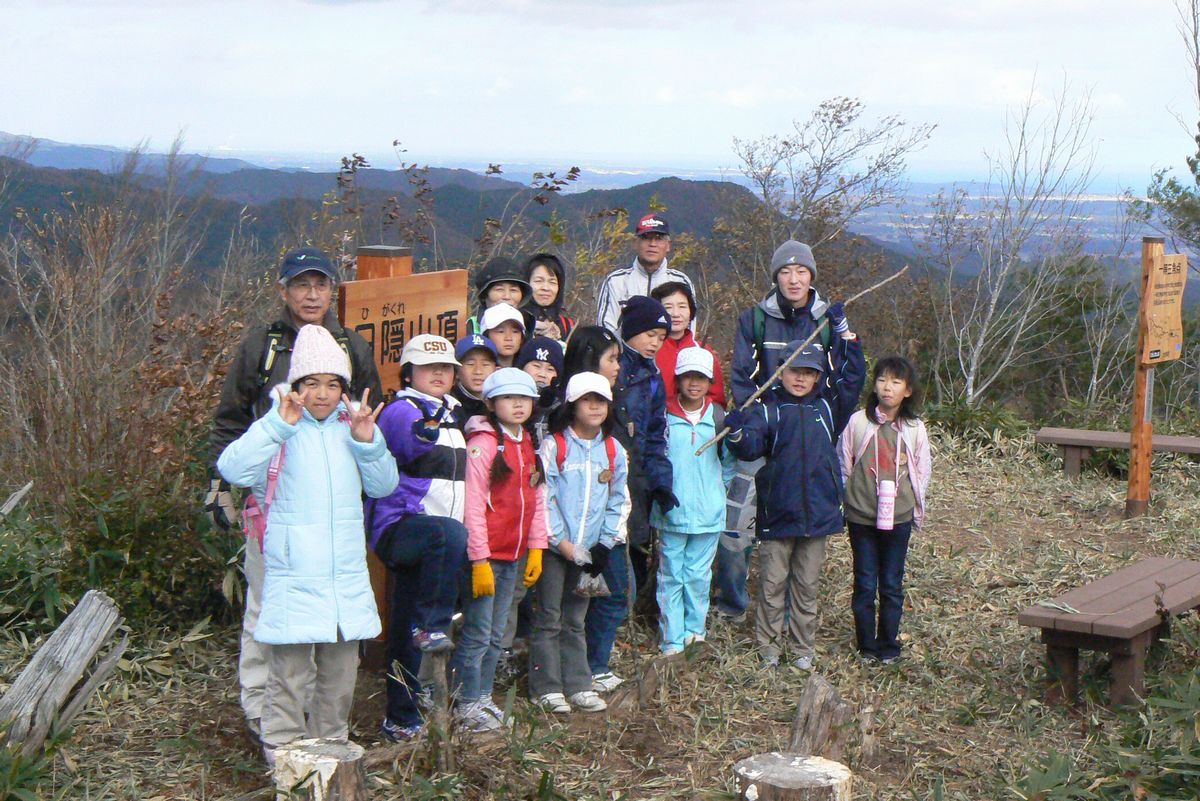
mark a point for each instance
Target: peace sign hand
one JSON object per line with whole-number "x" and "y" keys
{"x": 362, "y": 419}
{"x": 291, "y": 406}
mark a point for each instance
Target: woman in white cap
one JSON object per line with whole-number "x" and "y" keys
{"x": 308, "y": 460}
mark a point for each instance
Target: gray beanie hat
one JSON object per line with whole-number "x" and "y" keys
{"x": 793, "y": 252}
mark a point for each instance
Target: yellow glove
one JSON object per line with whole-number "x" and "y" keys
{"x": 533, "y": 566}
{"x": 482, "y": 580}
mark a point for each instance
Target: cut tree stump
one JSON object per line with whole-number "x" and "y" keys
{"x": 821, "y": 720}
{"x": 320, "y": 770}
{"x": 791, "y": 777}
{"x": 53, "y": 689}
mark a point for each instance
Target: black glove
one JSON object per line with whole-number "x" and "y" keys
{"x": 837, "y": 318}
{"x": 548, "y": 396}
{"x": 218, "y": 504}
{"x": 599, "y": 554}
{"x": 427, "y": 427}
{"x": 665, "y": 499}
{"x": 734, "y": 420}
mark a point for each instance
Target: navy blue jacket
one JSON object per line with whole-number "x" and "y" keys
{"x": 781, "y": 325}
{"x": 800, "y": 487}
{"x": 643, "y": 400}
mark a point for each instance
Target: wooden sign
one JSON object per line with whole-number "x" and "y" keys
{"x": 388, "y": 312}
{"x": 382, "y": 261}
{"x": 1162, "y": 309}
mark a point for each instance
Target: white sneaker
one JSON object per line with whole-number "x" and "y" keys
{"x": 474, "y": 717}
{"x": 554, "y": 702}
{"x": 588, "y": 701}
{"x": 803, "y": 662}
{"x": 489, "y": 706}
{"x": 606, "y": 682}
{"x": 672, "y": 651}
{"x": 692, "y": 638}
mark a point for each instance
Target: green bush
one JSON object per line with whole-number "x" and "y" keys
{"x": 977, "y": 423}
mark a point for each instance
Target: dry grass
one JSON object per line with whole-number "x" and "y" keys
{"x": 961, "y": 715}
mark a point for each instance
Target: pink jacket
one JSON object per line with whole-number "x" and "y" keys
{"x": 506, "y": 523}
{"x": 858, "y": 435}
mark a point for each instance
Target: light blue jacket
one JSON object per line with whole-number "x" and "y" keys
{"x": 315, "y": 549}
{"x": 580, "y": 507}
{"x": 699, "y": 482}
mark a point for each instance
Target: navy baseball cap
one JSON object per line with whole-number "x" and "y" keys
{"x": 303, "y": 260}
{"x": 812, "y": 356}
{"x": 652, "y": 224}
{"x": 474, "y": 342}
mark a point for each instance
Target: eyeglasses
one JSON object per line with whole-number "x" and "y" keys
{"x": 310, "y": 287}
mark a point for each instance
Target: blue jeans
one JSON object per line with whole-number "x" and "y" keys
{"x": 482, "y": 636}
{"x": 604, "y": 615}
{"x": 684, "y": 576}
{"x": 878, "y": 566}
{"x": 732, "y": 567}
{"x": 428, "y": 554}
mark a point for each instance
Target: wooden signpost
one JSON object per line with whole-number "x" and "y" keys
{"x": 388, "y": 305}
{"x": 1160, "y": 339}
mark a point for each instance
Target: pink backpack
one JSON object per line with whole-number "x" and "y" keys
{"x": 254, "y": 519}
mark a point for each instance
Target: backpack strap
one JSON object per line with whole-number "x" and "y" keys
{"x": 610, "y": 449}
{"x": 273, "y": 347}
{"x": 760, "y": 333}
{"x": 718, "y": 423}
{"x": 560, "y": 451}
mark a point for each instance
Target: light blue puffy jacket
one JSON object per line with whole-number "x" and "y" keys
{"x": 580, "y": 507}
{"x": 698, "y": 482}
{"x": 315, "y": 549}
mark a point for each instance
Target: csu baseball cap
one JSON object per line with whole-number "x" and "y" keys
{"x": 303, "y": 260}
{"x": 652, "y": 223}
{"x": 428, "y": 349}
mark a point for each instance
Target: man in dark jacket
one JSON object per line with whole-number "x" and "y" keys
{"x": 791, "y": 311}
{"x": 640, "y": 411}
{"x": 306, "y": 283}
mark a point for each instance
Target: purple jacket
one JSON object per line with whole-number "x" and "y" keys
{"x": 432, "y": 474}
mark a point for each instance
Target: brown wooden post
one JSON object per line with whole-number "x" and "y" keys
{"x": 1137, "y": 499}
{"x": 382, "y": 261}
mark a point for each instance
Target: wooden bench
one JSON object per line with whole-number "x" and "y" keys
{"x": 1076, "y": 444}
{"x": 1121, "y": 614}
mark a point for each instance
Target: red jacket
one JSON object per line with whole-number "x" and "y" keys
{"x": 669, "y": 353}
{"x": 504, "y": 521}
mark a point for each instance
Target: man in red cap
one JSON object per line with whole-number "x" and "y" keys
{"x": 649, "y": 269}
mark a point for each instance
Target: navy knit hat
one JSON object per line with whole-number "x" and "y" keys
{"x": 541, "y": 349}
{"x": 642, "y": 314}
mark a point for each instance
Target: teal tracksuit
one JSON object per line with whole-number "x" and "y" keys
{"x": 689, "y": 532}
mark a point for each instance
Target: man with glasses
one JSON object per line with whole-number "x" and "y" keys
{"x": 652, "y": 241}
{"x": 306, "y": 286}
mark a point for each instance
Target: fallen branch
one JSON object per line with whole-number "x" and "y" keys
{"x": 787, "y": 362}
{"x": 15, "y": 498}
{"x": 49, "y": 693}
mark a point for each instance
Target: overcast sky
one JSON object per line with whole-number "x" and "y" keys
{"x": 586, "y": 81}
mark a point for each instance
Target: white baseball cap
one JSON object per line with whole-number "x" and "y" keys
{"x": 586, "y": 384}
{"x": 694, "y": 360}
{"x": 499, "y": 313}
{"x": 428, "y": 349}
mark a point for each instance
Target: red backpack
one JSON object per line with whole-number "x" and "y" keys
{"x": 560, "y": 455}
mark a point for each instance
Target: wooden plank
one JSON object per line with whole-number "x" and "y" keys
{"x": 1086, "y": 642}
{"x": 1085, "y": 438}
{"x": 1114, "y": 609}
{"x": 1178, "y": 597}
{"x": 1127, "y": 682}
{"x": 1081, "y": 596}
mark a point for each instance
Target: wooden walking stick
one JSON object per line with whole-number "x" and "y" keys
{"x": 786, "y": 362}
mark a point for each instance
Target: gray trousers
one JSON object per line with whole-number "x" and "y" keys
{"x": 789, "y": 571}
{"x": 323, "y": 672}
{"x": 252, "y": 660}
{"x": 558, "y": 650}
{"x": 519, "y": 590}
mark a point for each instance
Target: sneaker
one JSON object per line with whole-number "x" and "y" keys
{"x": 588, "y": 701}
{"x": 692, "y": 639}
{"x": 889, "y": 660}
{"x": 554, "y": 702}
{"x": 733, "y": 620}
{"x": 606, "y": 682}
{"x": 770, "y": 659}
{"x": 424, "y": 699}
{"x": 397, "y": 733}
{"x": 803, "y": 662}
{"x": 432, "y": 642}
{"x": 489, "y": 706}
{"x": 868, "y": 659}
{"x": 672, "y": 651}
{"x": 475, "y": 717}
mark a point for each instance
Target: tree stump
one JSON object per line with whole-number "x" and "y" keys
{"x": 791, "y": 777}
{"x": 52, "y": 687}
{"x": 821, "y": 720}
{"x": 321, "y": 770}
